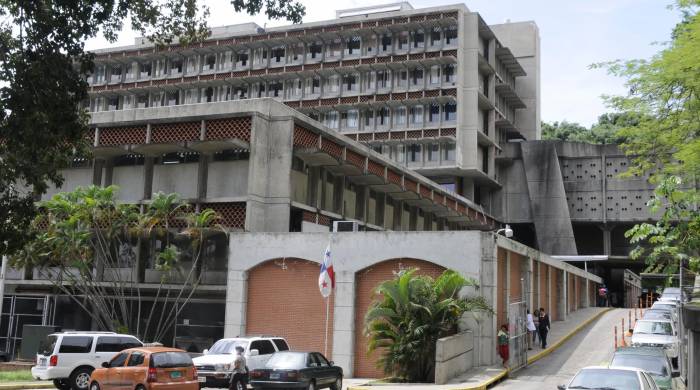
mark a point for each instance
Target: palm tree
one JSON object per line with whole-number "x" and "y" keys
{"x": 412, "y": 313}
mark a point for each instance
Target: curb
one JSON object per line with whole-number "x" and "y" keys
{"x": 28, "y": 385}
{"x": 485, "y": 384}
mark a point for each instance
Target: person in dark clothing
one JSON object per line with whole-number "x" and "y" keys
{"x": 543, "y": 327}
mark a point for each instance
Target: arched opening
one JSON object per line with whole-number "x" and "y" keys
{"x": 366, "y": 281}
{"x": 284, "y": 300}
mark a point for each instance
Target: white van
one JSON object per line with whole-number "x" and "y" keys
{"x": 68, "y": 358}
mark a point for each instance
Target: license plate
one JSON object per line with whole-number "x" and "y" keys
{"x": 175, "y": 374}
{"x": 202, "y": 379}
{"x": 42, "y": 362}
{"x": 274, "y": 376}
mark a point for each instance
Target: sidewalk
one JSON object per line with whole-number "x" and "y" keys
{"x": 482, "y": 377}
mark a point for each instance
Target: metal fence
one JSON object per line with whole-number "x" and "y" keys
{"x": 517, "y": 328}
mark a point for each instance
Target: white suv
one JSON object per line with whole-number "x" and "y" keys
{"x": 68, "y": 358}
{"x": 214, "y": 367}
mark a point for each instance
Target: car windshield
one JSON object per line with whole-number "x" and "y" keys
{"x": 657, "y": 315}
{"x": 605, "y": 379}
{"x": 171, "y": 359}
{"x": 227, "y": 347}
{"x": 653, "y": 327}
{"x": 287, "y": 360}
{"x": 663, "y": 306}
{"x": 655, "y": 365}
{"x": 47, "y": 345}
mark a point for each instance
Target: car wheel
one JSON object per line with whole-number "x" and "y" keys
{"x": 338, "y": 385}
{"x": 80, "y": 378}
{"x": 94, "y": 386}
{"x": 140, "y": 387}
{"x": 61, "y": 384}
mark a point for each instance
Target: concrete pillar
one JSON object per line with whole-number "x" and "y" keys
{"x": 398, "y": 213}
{"x": 344, "y": 321}
{"x": 314, "y": 177}
{"x": 3, "y": 272}
{"x": 361, "y": 203}
{"x": 533, "y": 284}
{"x": 203, "y": 175}
{"x": 236, "y": 300}
{"x": 427, "y": 221}
{"x": 413, "y": 219}
{"x": 338, "y": 195}
{"x": 269, "y": 183}
{"x": 108, "y": 172}
{"x": 322, "y": 182}
{"x": 380, "y": 205}
{"x": 563, "y": 288}
{"x": 97, "y": 166}
{"x": 148, "y": 177}
{"x": 607, "y": 239}
{"x": 550, "y": 299}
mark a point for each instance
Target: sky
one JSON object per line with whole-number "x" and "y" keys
{"x": 574, "y": 34}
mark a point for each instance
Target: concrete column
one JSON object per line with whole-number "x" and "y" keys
{"x": 413, "y": 219}
{"x": 563, "y": 287}
{"x": 97, "y": 166}
{"x": 398, "y": 213}
{"x": 322, "y": 194}
{"x": 507, "y": 284}
{"x": 148, "y": 177}
{"x": 532, "y": 296}
{"x": 236, "y": 301}
{"x": 427, "y": 221}
{"x": 108, "y": 172}
{"x": 607, "y": 240}
{"x": 203, "y": 175}
{"x": 344, "y": 321}
{"x": 379, "y": 212}
{"x": 314, "y": 177}
{"x": 550, "y": 300}
{"x": 361, "y": 203}
{"x": 269, "y": 182}
{"x": 338, "y": 195}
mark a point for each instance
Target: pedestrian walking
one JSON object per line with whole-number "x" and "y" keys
{"x": 543, "y": 327}
{"x": 531, "y": 330}
{"x": 602, "y": 296}
{"x": 240, "y": 371}
{"x": 503, "y": 339}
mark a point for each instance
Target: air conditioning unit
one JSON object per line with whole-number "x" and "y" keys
{"x": 345, "y": 226}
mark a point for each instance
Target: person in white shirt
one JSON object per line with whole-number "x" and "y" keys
{"x": 531, "y": 330}
{"x": 240, "y": 370}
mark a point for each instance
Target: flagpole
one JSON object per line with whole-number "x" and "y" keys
{"x": 325, "y": 341}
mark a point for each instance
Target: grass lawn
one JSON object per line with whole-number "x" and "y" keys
{"x": 15, "y": 376}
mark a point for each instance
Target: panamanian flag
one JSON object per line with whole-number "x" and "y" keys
{"x": 326, "y": 280}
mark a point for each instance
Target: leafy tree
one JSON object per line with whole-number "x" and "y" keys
{"x": 604, "y": 131}
{"x": 411, "y": 314}
{"x": 84, "y": 240}
{"x": 663, "y": 92}
{"x": 42, "y": 67}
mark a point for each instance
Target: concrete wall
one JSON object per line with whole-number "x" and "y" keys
{"x": 177, "y": 178}
{"x": 130, "y": 182}
{"x": 453, "y": 356}
{"x": 227, "y": 179}
{"x": 73, "y": 178}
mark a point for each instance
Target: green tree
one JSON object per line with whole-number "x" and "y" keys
{"x": 664, "y": 94}
{"x": 411, "y": 314}
{"x": 42, "y": 66}
{"x": 605, "y": 131}
{"x": 83, "y": 242}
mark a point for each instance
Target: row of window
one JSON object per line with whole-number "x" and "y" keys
{"x": 385, "y": 118}
{"x": 292, "y": 54}
{"x": 436, "y": 153}
{"x": 313, "y": 87}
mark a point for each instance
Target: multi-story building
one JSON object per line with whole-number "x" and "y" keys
{"x": 434, "y": 89}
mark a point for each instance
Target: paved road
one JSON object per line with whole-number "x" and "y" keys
{"x": 592, "y": 346}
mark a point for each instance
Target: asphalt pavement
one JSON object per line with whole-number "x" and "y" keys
{"x": 591, "y": 346}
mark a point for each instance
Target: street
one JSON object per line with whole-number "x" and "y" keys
{"x": 592, "y": 346}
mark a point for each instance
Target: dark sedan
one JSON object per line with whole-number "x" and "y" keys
{"x": 306, "y": 370}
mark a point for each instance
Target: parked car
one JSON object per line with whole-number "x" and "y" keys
{"x": 670, "y": 305}
{"x": 214, "y": 367}
{"x": 673, "y": 294}
{"x": 147, "y": 368}
{"x": 652, "y": 360}
{"x": 68, "y": 358}
{"x": 306, "y": 370}
{"x": 657, "y": 333}
{"x": 658, "y": 314}
{"x": 618, "y": 378}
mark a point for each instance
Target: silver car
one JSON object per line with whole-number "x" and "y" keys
{"x": 618, "y": 378}
{"x": 657, "y": 333}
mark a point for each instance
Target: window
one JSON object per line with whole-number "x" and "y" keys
{"x": 278, "y": 54}
{"x": 434, "y": 114}
{"x": 449, "y": 73}
{"x": 113, "y": 103}
{"x": 145, "y": 70}
{"x": 402, "y": 41}
{"x": 312, "y": 86}
{"x": 210, "y": 62}
{"x": 433, "y": 152}
{"x": 260, "y": 56}
{"x": 136, "y": 359}
{"x": 418, "y": 39}
{"x": 129, "y": 342}
{"x": 294, "y": 87}
{"x": 171, "y": 359}
{"x": 142, "y": 101}
{"x": 369, "y": 45}
{"x": 99, "y": 75}
{"x": 281, "y": 344}
{"x": 350, "y": 82}
{"x": 119, "y": 360}
{"x": 402, "y": 79}
{"x": 449, "y": 186}
{"x": 208, "y": 95}
{"x": 295, "y": 52}
{"x": 322, "y": 360}
{"x": 417, "y": 77}
{"x": 264, "y": 347}
{"x": 415, "y": 153}
{"x": 192, "y": 65}
{"x": 116, "y": 73}
{"x": 315, "y": 50}
{"x": 332, "y": 83}
{"x": 398, "y": 153}
{"x": 242, "y": 59}
{"x": 435, "y": 39}
{"x": 400, "y": 117}
{"x": 435, "y": 75}
{"x": 240, "y": 92}
{"x": 332, "y": 119}
{"x": 115, "y": 343}
{"x": 451, "y": 35}
{"x": 417, "y": 116}
{"x": 75, "y": 344}
{"x": 275, "y": 89}
{"x": 351, "y": 119}
{"x": 173, "y": 98}
{"x": 450, "y": 110}
{"x": 383, "y": 117}
{"x": 385, "y": 44}
{"x": 384, "y": 78}
{"x": 368, "y": 119}
{"x": 448, "y": 152}
{"x": 334, "y": 48}
{"x": 370, "y": 81}
{"x": 175, "y": 66}
{"x": 353, "y": 46}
